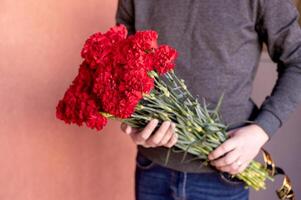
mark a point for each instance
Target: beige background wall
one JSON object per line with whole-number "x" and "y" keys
{"x": 43, "y": 159}
{"x": 40, "y": 157}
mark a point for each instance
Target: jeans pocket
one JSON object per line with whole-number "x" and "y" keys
{"x": 228, "y": 180}
{"x": 144, "y": 163}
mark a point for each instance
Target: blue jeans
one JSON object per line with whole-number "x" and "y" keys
{"x": 156, "y": 182}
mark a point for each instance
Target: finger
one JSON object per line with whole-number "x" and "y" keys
{"x": 242, "y": 167}
{"x": 128, "y": 129}
{"x": 137, "y": 139}
{"x": 145, "y": 145}
{"x": 160, "y": 133}
{"x": 172, "y": 141}
{"x": 224, "y": 148}
{"x": 168, "y": 135}
{"x": 234, "y": 169}
{"x": 123, "y": 126}
{"x": 229, "y": 168}
{"x": 228, "y": 159}
{"x": 147, "y": 131}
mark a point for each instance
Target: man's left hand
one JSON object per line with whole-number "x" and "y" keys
{"x": 235, "y": 154}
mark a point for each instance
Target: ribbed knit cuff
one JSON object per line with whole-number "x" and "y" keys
{"x": 268, "y": 121}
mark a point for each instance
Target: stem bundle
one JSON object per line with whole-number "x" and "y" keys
{"x": 199, "y": 129}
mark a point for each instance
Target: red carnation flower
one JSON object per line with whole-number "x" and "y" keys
{"x": 164, "y": 59}
{"x": 78, "y": 105}
{"x": 98, "y": 46}
{"x": 80, "y": 108}
{"x": 146, "y": 40}
{"x": 113, "y": 76}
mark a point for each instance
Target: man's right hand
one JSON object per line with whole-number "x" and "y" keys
{"x": 164, "y": 136}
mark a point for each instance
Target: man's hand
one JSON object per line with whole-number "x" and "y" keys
{"x": 235, "y": 154}
{"x": 164, "y": 136}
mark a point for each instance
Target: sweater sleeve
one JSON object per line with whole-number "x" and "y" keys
{"x": 125, "y": 15}
{"x": 278, "y": 28}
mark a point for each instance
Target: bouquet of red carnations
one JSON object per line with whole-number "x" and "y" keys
{"x": 131, "y": 78}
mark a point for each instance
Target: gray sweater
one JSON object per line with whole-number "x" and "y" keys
{"x": 219, "y": 44}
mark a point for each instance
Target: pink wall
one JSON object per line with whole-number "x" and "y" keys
{"x": 41, "y": 158}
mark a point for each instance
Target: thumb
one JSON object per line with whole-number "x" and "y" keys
{"x": 126, "y": 128}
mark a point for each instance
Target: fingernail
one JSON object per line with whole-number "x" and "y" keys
{"x": 127, "y": 130}
{"x": 167, "y": 123}
{"x": 173, "y": 125}
{"x": 155, "y": 121}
